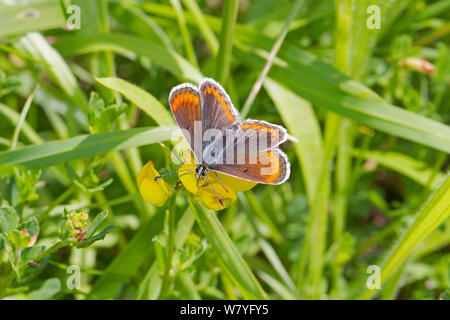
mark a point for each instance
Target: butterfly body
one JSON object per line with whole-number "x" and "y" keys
{"x": 201, "y": 170}
{"x": 221, "y": 141}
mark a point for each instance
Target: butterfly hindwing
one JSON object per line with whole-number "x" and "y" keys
{"x": 269, "y": 167}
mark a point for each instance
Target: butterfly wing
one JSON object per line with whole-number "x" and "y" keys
{"x": 270, "y": 167}
{"x": 263, "y": 134}
{"x": 239, "y": 139}
{"x": 218, "y": 111}
{"x": 184, "y": 102}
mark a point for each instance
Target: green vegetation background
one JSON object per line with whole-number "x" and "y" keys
{"x": 83, "y": 109}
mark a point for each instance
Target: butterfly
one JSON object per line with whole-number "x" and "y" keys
{"x": 242, "y": 149}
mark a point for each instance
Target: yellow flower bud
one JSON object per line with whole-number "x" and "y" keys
{"x": 153, "y": 191}
{"x": 80, "y": 220}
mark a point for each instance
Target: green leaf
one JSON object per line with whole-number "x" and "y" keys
{"x": 32, "y": 252}
{"x": 48, "y": 289}
{"x": 27, "y": 16}
{"x": 445, "y": 295}
{"x": 126, "y": 45}
{"x": 228, "y": 254}
{"x": 54, "y": 152}
{"x": 417, "y": 170}
{"x": 381, "y": 116}
{"x": 230, "y": 12}
{"x": 126, "y": 264}
{"x": 3, "y": 241}
{"x": 93, "y": 226}
{"x": 8, "y": 219}
{"x": 435, "y": 211}
{"x": 150, "y": 285}
{"x": 99, "y": 236}
{"x": 144, "y": 100}
{"x": 32, "y": 226}
{"x": 55, "y": 66}
{"x": 295, "y": 110}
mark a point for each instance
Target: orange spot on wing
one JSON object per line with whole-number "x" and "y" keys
{"x": 225, "y": 106}
{"x": 273, "y": 166}
{"x": 209, "y": 89}
{"x": 229, "y": 115}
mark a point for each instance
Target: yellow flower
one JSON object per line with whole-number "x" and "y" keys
{"x": 153, "y": 191}
{"x": 209, "y": 192}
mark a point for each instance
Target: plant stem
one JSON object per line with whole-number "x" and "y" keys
{"x": 23, "y": 115}
{"x": 58, "y": 200}
{"x": 276, "y": 46}
{"x": 184, "y": 32}
{"x": 226, "y": 40}
{"x": 170, "y": 249}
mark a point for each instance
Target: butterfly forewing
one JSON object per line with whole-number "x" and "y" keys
{"x": 263, "y": 135}
{"x": 184, "y": 101}
{"x": 217, "y": 110}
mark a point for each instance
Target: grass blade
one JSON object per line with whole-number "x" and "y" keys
{"x": 227, "y": 253}
{"x": 295, "y": 110}
{"x": 226, "y": 40}
{"x": 28, "y": 16}
{"x": 184, "y": 32}
{"x": 126, "y": 45}
{"x": 126, "y": 264}
{"x": 36, "y": 45}
{"x": 23, "y": 115}
{"x": 435, "y": 211}
{"x": 202, "y": 25}
{"x": 273, "y": 52}
{"x": 54, "y": 152}
{"x": 381, "y": 116}
{"x": 144, "y": 100}
{"x": 415, "y": 169}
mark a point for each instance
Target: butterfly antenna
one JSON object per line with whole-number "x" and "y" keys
{"x": 187, "y": 171}
{"x": 172, "y": 172}
{"x": 220, "y": 200}
{"x": 223, "y": 186}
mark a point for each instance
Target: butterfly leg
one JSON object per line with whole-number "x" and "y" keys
{"x": 220, "y": 200}
{"x": 223, "y": 186}
{"x": 202, "y": 184}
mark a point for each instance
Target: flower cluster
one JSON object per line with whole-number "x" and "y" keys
{"x": 215, "y": 191}
{"x": 76, "y": 223}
